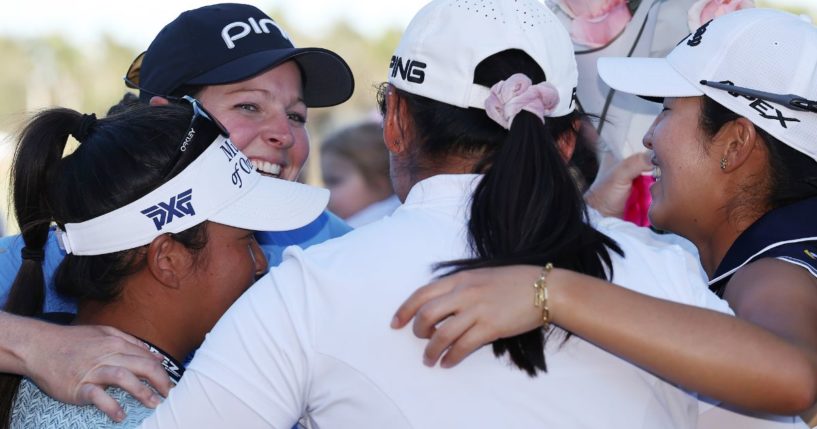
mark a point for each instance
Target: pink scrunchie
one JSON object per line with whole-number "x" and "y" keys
{"x": 509, "y": 97}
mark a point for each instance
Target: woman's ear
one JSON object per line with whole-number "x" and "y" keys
{"x": 739, "y": 140}
{"x": 395, "y": 121}
{"x": 158, "y": 101}
{"x": 567, "y": 141}
{"x": 169, "y": 261}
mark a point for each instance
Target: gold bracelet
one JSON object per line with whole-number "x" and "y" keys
{"x": 540, "y": 294}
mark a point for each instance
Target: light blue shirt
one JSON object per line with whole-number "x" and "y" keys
{"x": 326, "y": 226}
{"x": 33, "y": 408}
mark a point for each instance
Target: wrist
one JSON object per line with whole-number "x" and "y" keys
{"x": 18, "y": 343}
{"x": 540, "y": 295}
{"x": 558, "y": 294}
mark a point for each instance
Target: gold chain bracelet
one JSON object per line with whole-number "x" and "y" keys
{"x": 540, "y": 294}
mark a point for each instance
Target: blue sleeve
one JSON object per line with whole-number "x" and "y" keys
{"x": 326, "y": 226}
{"x": 10, "y": 261}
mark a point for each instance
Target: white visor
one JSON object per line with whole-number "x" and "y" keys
{"x": 221, "y": 185}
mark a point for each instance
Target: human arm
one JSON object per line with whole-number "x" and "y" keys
{"x": 74, "y": 364}
{"x": 715, "y": 354}
{"x": 608, "y": 194}
{"x": 781, "y": 297}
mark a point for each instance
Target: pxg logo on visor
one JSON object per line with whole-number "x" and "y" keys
{"x": 179, "y": 206}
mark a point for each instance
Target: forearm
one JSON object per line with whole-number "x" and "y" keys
{"x": 15, "y": 337}
{"x": 704, "y": 351}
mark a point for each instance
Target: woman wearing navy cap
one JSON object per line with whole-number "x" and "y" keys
{"x": 479, "y": 126}
{"x": 245, "y": 70}
{"x": 734, "y": 154}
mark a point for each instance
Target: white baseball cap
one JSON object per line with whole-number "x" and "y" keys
{"x": 220, "y": 185}
{"x": 447, "y": 39}
{"x": 758, "y": 63}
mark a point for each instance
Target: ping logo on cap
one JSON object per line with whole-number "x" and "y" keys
{"x": 412, "y": 71}
{"x": 257, "y": 27}
{"x": 163, "y": 213}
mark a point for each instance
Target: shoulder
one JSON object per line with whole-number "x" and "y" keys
{"x": 325, "y": 227}
{"x": 662, "y": 266}
{"x": 767, "y": 281}
{"x": 34, "y": 409}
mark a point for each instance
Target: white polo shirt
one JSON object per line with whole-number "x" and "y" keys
{"x": 312, "y": 338}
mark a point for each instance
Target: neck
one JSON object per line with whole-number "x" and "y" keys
{"x": 409, "y": 172}
{"x": 137, "y": 313}
{"x": 713, "y": 246}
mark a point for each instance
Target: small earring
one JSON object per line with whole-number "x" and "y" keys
{"x": 723, "y": 163}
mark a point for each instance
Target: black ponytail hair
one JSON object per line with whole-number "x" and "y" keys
{"x": 527, "y": 208}
{"x": 120, "y": 159}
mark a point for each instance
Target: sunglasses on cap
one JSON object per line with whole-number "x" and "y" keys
{"x": 791, "y": 101}
{"x": 203, "y": 129}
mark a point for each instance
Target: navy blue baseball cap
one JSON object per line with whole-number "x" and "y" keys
{"x": 231, "y": 42}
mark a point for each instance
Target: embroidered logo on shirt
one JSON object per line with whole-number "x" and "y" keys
{"x": 163, "y": 213}
{"x": 810, "y": 254}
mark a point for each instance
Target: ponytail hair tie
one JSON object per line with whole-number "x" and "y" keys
{"x": 517, "y": 93}
{"x": 84, "y": 128}
{"x": 30, "y": 254}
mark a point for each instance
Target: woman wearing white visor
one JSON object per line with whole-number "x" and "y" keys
{"x": 156, "y": 212}
{"x": 734, "y": 151}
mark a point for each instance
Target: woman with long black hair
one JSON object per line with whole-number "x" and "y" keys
{"x": 734, "y": 154}
{"x": 156, "y": 212}
{"x": 479, "y": 120}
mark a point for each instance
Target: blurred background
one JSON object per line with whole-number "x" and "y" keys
{"x": 74, "y": 54}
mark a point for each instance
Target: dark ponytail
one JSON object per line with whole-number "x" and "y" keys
{"x": 42, "y": 143}
{"x": 120, "y": 159}
{"x": 527, "y": 208}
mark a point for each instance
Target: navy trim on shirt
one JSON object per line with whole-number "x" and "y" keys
{"x": 788, "y": 233}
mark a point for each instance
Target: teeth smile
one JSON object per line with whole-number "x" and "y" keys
{"x": 267, "y": 168}
{"x": 656, "y": 173}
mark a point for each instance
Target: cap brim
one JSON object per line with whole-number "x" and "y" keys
{"x": 274, "y": 205}
{"x": 328, "y": 80}
{"x": 132, "y": 75}
{"x": 645, "y": 77}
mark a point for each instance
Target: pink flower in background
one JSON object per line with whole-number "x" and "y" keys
{"x": 704, "y": 10}
{"x": 596, "y": 22}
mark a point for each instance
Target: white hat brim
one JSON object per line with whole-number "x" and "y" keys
{"x": 274, "y": 205}
{"x": 646, "y": 77}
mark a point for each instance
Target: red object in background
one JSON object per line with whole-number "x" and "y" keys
{"x": 638, "y": 204}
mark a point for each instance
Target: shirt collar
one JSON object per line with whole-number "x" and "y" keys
{"x": 454, "y": 188}
{"x": 789, "y": 224}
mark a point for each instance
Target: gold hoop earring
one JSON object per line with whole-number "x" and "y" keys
{"x": 723, "y": 163}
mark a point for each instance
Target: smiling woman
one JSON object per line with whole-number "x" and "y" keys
{"x": 160, "y": 256}
{"x": 738, "y": 177}
{"x": 269, "y": 85}
{"x": 268, "y": 115}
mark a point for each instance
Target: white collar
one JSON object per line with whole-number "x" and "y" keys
{"x": 457, "y": 188}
